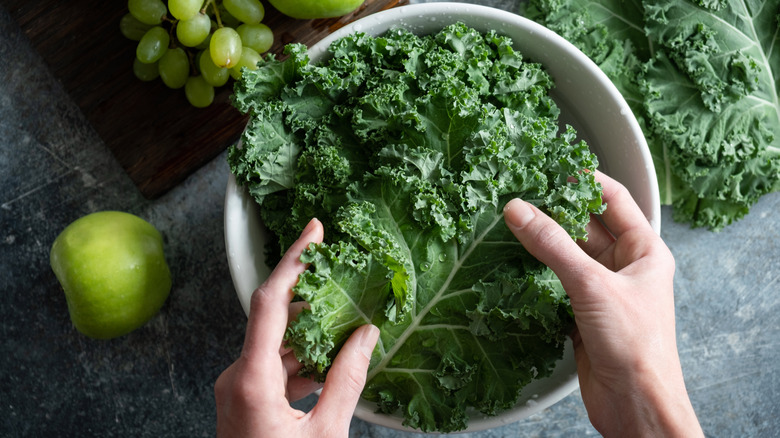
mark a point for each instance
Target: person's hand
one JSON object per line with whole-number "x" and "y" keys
{"x": 621, "y": 291}
{"x": 253, "y": 395}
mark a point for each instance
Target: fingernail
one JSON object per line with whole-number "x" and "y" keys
{"x": 368, "y": 340}
{"x": 518, "y": 213}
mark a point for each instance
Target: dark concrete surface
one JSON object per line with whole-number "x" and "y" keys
{"x": 158, "y": 381}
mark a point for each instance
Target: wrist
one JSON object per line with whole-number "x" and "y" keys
{"x": 656, "y": 405}
{"x": 670, "y": 413}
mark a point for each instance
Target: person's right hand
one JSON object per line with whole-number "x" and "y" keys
{"x": 253, "y": 394}
{"x": 621, "y": 291}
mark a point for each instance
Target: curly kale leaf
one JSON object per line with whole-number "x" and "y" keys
{"x": 721, "y": 115}
{"x": 703, "y": 78}
{"x": 407, "y": 148}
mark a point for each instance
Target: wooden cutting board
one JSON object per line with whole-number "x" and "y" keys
{"x": 157, "y": 137}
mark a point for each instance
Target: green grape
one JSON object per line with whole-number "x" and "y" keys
{"x": 247, "y": 11}
{"x": 256, "y": 36}
{"x": 145, "y": 72}
{"x": 249, "y": 59}
{"x": 131, "y": 28}
{"x": 216, "y": 76}
{"x": 225, "y": 47}
{"x": 184, "y": 9}
{"x": 199, "y": 93}
{"x": 147, "y": 11}
{"x": 153, "y": 45}
{"x": 174, "y": 68}
{"x": 193, "y": 31}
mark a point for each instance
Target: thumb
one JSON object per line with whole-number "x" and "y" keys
{"x": 346, "y": 378}
{"x": 546, "y": 240}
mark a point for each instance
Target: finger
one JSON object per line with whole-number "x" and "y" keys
{"x": 299, "y": 387}
{"x": 347, "y": 377}
{"x": 270, "y": 302}
{"x": 546, "y": 240}
{"x": 599, "y": 238}
{"x": 291, "y": 364}
{"x": 622, "y": 213}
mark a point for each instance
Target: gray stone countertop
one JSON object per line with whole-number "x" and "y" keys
{"x": 158, "y": 381}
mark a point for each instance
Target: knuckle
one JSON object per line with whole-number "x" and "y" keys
{"x": 548, "y": 233}
{"x": 220, "y": 386}
{"x": 664, "y": 256}
{"x": 259, "y": 297}
{"x": 620, "y": 190}
{"x": 355, "y": 380}
{"x": 615, "y": 190}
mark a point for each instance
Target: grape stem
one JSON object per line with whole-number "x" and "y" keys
{"x": 191, "y": 59}
{"x": 216, "y": 11}
{"x": 172, "y": 34}
{"x": 205, "y": 6}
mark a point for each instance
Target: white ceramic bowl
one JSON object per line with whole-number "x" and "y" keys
{"x": 588, "y": 101}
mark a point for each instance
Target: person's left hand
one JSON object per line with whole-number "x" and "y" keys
{"x": 253, "y": 395}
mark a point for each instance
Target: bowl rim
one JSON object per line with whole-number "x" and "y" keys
{"x": 236, "y": 196}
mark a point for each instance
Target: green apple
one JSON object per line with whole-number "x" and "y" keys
{"x": 309, "y": 9}
{"x": 112, "y": 268}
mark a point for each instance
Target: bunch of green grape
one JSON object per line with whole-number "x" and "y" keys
{"x": 197, "y": 45}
